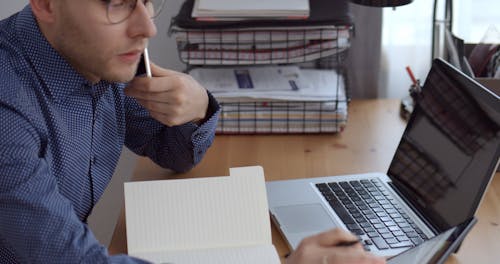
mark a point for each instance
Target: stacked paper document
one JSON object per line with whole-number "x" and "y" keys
{"x": 240, "y": 32}
{"x": 227, "y": 54}
{"x": 239, "y": 9}
{"x": 282, "y": 118}
{"x": 260, "y": 45}
{"x": 271, "y": 82}
{"x": 276, "y": 99}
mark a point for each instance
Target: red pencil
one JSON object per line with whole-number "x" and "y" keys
{"x": 412, "y": 77}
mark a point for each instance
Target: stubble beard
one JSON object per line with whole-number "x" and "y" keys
{"x": 87, "y": 58}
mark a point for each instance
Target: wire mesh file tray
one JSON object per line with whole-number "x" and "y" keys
{"x": 274, "y": 75}
{"x": 259, "y": 46}
{"x": 285, "y": 117}
{"x": 276, "y": 99}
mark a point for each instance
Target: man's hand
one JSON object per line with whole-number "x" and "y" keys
{"x": 324, "y": 249}
{"x": 173, "y": 98}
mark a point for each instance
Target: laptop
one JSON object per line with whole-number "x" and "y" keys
{"x": 442, "y": 166}
{"x": 435, "y": 250}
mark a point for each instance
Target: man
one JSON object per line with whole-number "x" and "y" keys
{"x": 69, "y": 101}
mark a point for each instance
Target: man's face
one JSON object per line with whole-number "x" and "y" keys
{"x": 94, "y": 47}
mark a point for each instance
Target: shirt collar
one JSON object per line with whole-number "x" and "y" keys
{"x": 59, "y": 77}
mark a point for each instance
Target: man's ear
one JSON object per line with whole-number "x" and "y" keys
{"x": 43, "y": 10}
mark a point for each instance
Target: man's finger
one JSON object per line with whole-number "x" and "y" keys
{"x": 158, "y": 71}
{"x": 160, "y": 107}
{"x": 335, "y": 237}
{"x": 153, "y": 85}
{"x": 146, "y": 95}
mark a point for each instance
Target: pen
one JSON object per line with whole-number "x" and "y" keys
{"x": 146, "y": 63}
{"x": 347, "y": 243}
{"x": 412, "y": 77}
{"x": 340, "y": 244}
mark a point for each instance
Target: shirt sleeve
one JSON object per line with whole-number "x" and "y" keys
{"x": 37, "y": 223}
{"x": 179, "y": 147}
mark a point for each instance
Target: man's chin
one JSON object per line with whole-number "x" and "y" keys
{"x": 120, "y": 77}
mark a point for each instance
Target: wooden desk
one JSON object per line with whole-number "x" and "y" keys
{"x": 367, "y": 144}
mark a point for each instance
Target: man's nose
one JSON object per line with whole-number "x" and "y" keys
{"x": 140, "y": 22}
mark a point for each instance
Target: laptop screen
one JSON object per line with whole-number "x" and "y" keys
{"x": 450, "y": 147}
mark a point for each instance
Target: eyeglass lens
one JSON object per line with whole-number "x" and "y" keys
{"x": 120, "y": 10}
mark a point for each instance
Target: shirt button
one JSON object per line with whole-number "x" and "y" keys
{"x": 93, "y": 160}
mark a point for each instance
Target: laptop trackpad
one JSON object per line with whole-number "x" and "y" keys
{"x": 304, "y": 218}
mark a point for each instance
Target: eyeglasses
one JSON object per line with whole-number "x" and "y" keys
{"x": 118, "y": 11}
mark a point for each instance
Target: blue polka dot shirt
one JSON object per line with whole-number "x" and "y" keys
{"x": 61, "y": 138}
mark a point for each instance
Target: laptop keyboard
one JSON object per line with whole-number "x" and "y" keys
{"x": 367, "y": 208}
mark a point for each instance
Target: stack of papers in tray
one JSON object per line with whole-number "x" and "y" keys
{"x": 262, "y": 53}
{"x": 260, "y": 45}
{"x": 271, "y": 82}
{"x": 241, "y": 32}
{"x": 221, "y": 9}
{"x": 276, "y": 99}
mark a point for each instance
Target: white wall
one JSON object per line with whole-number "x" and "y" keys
{"x": 8, "y": 8}
{"x": 162, "y": 49}
{"x": 406, "y": 41}
{"x": 407, "y": 37}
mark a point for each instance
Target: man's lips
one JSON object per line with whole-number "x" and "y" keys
{"x": 131, "y": 56}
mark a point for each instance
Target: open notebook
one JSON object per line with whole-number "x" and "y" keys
{"x": 201, "y": 220}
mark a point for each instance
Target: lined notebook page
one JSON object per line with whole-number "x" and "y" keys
{"x": 198, "y": 213}
{"x": 245, "y": 255}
